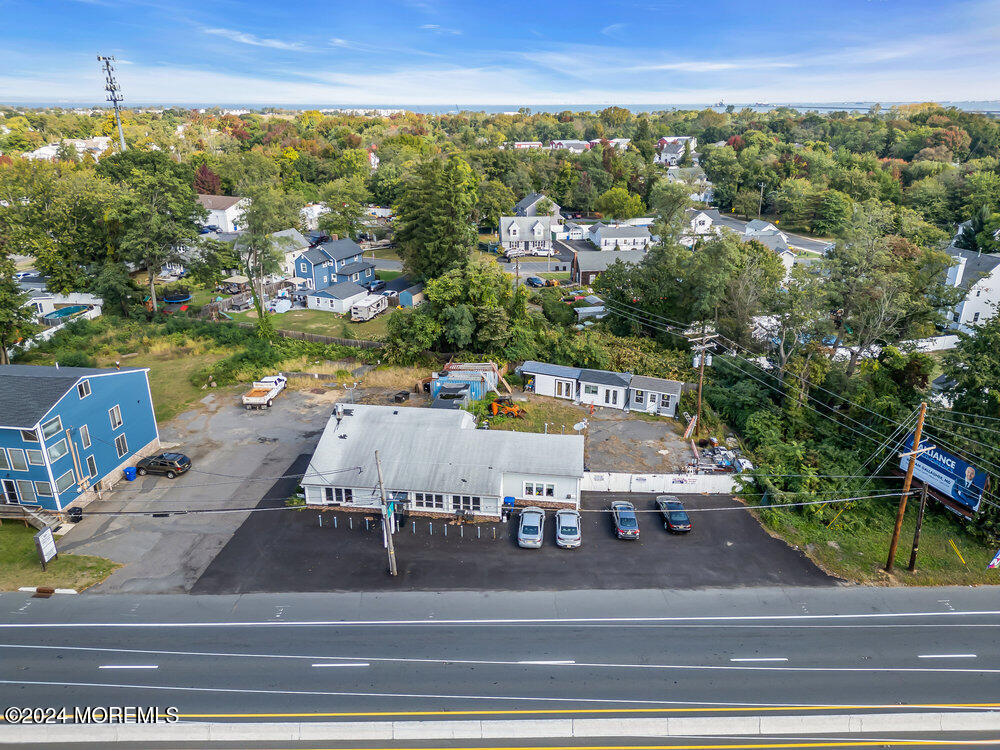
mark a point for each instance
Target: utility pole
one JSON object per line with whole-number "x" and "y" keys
{"x": 760, "y": 203}
{"x": 517, "y": 271}
{"x": 114, "y": 94}
{"x": 701, "y": 344}
{"x": 386, "y": 524}
{"x": 916, "y": 531}
{"x": 894, "y": 542}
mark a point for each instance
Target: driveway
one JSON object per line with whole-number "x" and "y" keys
{"x": 235, "y": 454}
{"x": 312, "y": 551}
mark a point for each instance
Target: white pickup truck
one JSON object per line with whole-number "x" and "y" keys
{"x": 263, "y": 392}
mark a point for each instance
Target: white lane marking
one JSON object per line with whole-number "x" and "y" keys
{"x": 761, "y": 658}
{"x": 344, "y": 664}
{"x": 591, "y": 665}
{"x": 128, "y": 666}
{"x": 548, "y": 663}
{"x": 946, "y": 656}
{"x": 499, "y": 621}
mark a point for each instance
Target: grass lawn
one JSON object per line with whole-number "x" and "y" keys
{"x": 383, "y": 253}
{"x": 388, "y": 275}
{"x": 19, "y": 564}
{"x": 323, "y": 323}
{"x": 537, "y": 411}
{"x": 858, "y": 550}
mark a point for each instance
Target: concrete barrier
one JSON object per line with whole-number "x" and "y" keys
{"x": 671, "y": 484}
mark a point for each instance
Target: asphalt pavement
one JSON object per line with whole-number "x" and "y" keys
{"x": 556, "y": 664}
{"x": 312, "y": 551}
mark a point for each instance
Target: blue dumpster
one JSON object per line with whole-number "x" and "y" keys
{"x": 130, "y": 473}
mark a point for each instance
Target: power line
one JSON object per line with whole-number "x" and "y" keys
{"x": 963, "y": 413}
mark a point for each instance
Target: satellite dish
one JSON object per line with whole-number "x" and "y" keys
{"x": 580, "y": 426}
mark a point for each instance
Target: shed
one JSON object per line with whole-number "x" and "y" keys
{"x": 550, "y": 380}
{"x": 654, "y": 395}
{"x": 412, "y": 296}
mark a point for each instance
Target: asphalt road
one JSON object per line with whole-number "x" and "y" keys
{"x": 289, "y": 551}
{"x": 517, "y": 655}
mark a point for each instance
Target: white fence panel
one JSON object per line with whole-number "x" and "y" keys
{"x": 675, "y": 484}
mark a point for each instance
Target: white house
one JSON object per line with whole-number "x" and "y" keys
{"x": 521, "y": 145}
{"x": 289, "y": 244}
{"x": 436, "y": 463}
{"x": 310, "y": 215}
{"x": 337, "y": 297}
{"x": 670, "y": 149}
{"x": 574, "y": 147}
{"x": 615, "y": 390}
{"x": 94, "y": 146}
{"x": 224, "y": 211}
{"x": 667, "y": 140}
{"x": 620, "y": 144}
{"x": 620, "y": 237}
{"x": 528, "y": 206}
{"x": 373, "y": 160}
{"x": 531, "y": 235}
{"x": 695, "y": 178}
{"x": 979, "y": 275}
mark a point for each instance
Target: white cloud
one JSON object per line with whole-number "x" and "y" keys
{"x": 436, "y": 29}
{"x": 244, "y": 38}
{"x": 612, "y": 30}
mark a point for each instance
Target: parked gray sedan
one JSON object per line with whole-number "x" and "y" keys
{"x": 531, "y": 529}
{"x": 568, "y": 534}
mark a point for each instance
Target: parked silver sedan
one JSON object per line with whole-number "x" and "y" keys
{"x": 531, "y": 529}
{"x": 568, "y": 529}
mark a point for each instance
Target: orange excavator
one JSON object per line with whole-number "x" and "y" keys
{"x": 505, "y": 407}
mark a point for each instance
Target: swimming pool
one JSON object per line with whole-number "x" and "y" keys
{"x": 65, "y": 312}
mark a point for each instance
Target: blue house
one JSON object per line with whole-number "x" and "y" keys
{"x": 68, "y": 431}
{"x": 334, "y": 262}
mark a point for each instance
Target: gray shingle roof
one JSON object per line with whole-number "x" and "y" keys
{"x": 526, "y": 227}
{"x": 289, "y": 239}
{"x": 620, "y": 231}
{"x": 657, "y": 385}
{"x": 596, "y": 260}
{"x": 356, "y": 267}
{"x": 340, "y": 290}
{"x": 544, "y": 368}
{"x": 605, "y": 377}
{"x": 977, "y": 265}
{"x": 434, "y": 450}
{"x": 315, "y": 255}
{"x": 529, "y": 200}
{"x": 27, "y": 392}
{"x": 341, "y": 249}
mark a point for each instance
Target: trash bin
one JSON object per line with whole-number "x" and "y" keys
{"x": 130, "y": 473}
{"x": 74, "y": 514}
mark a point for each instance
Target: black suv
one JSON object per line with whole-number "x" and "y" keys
{"x": 168, "y": 464}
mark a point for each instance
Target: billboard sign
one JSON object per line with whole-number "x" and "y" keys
{"x": 946, "y": 473}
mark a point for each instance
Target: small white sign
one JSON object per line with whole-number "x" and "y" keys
{"x": 46, "y": 545}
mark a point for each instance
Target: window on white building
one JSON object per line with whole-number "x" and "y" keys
{"x": 665, "y": 399}
{"x": 590, "y": 390}
{"x": 51, "y": 428}
{"x": 428, "y": 500}
{"x": 115, "y": 414}
{"x": 466, "y": 502}
{"x": 341, "y": 494}
{"x": 640, "y": 397}
{"x": 121, "y": 445}
{"x": 83, "y": 388}
{"x": 539, "y": 489}
{"x": 975, "y": 318}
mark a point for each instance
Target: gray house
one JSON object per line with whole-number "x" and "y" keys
{"x": 526, "y": 235}
{"x": 528, "y": 206}
{"x": 654, "y": 395}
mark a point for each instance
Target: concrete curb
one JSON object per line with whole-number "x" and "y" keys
{"x": 685, "y": 726}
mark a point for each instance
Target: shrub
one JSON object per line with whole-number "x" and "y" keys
{"x": 75, "y": 359}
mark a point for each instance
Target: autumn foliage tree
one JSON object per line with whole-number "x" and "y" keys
{"x": 206, "y": 181}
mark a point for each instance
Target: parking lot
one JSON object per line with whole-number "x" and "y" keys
{"x": 289, "y": 550}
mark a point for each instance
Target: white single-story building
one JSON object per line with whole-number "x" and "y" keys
{"x": 620, "y": 237}
{"x": 336, "y": 298}
{"x": 616, "y": 390}
{"x": 436, "y": 462}
{"x": 224, "y": 211}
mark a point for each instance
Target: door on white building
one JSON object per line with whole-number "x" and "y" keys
{"x": 611, "y": 397}
{"x": 564, "y": 388}
{"x": 8, "y": 491}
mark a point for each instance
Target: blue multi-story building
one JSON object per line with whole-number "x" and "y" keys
{"x": 332, "y": 263}
{"x": 66, "y": 432}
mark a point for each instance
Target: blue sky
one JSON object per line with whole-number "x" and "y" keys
{"x": 464, "y": 52}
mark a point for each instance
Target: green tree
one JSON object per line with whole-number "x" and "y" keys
{"x": 832, "y": 213}
{"x": 345, "y": 199}
{"x": 410, "y": 333}
{"x": 746, "y": 203}
{"x": 16, "y": 319}
{"x": 618, "y": 203}
{"x": 159, "y": 216}
{"x": 434, "y": 218}
{"x": 493, "y": 200}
